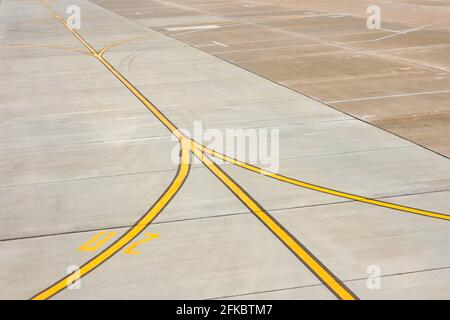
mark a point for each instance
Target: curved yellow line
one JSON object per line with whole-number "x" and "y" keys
{"x": 132, "y": 233}
{"x": 120, "y": 42}
{"x": 314, "y": 187}
{"x": 61, "y": 19}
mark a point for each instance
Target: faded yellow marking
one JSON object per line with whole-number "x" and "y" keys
{"x": 76, "y": 34}
{"x": 133, "y": 246}
{"x": 300, "y": 183}
{"x": 167, "y": 123}
{"x": 317, "y": 188}
{"x": 38, "y": 45}
{"x": 120, "y": 42}
{"x": 97, "y": 241}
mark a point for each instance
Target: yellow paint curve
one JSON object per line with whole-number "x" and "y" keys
{"x": 131, "y": 234}
{"x": 317, "y": 188}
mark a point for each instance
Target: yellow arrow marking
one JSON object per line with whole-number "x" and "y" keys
{"x": 97, "y": 241}
{"x": 130, "y": 235}
{"x": 133, "y": 246}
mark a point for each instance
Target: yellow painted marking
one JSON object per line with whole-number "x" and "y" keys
{"x": 39, "y": 45}
{"x": 97, "y": 241}
{"x": 120, "y": 42}
{"x": 332, "y": 192}
{"x": 338, "y": 288}
{"x": 133, "y": 246}
{"x": 61, "y": 19}
{"x": 130, "y": 235}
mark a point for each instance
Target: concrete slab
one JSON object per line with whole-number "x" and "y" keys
{"x": 322, "y": 42}
{"x": 182, "y": 263}
{"x": 81, "y": 154}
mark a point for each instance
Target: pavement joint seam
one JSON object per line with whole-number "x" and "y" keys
{"x": 74, "y": 232}
{"x": 320, "y": 285}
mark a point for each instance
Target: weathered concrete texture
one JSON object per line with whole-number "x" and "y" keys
{"x": 324, "y": 49}
{"x": 80, "y": 154}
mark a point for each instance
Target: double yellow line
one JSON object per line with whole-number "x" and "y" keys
{"x": 189, "y": 146}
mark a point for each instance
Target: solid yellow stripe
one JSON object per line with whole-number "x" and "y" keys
{"x": 120, "y": 42}
{"x": 310, "y": 186}
{"x": 310, "y": 261}
{"x": 129, "y": 235}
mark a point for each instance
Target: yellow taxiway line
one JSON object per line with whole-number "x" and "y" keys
{"x": 317, "y": 188}
{"x": 120, "y": 42}
{"x": 132, "y": 233}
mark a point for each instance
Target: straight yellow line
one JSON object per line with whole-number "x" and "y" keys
{"x": 317, "y": 188}
{"x": 321, "y": 272}
{"x": 130, "y": 234}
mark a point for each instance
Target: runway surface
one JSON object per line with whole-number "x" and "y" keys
{"x": 92, "y": 118}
